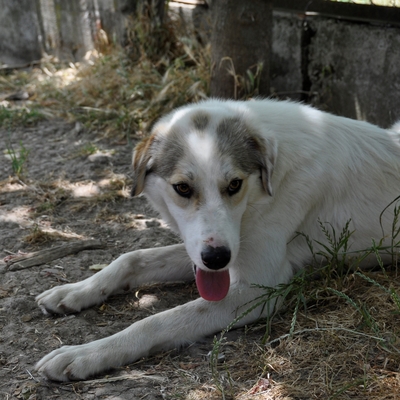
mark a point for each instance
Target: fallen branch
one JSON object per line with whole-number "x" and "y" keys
{"x": 44, "y": 256}
{"x": 313, "y": 330}
{"x": 131, "y": 376}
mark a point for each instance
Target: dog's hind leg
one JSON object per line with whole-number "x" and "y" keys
{"x": 162, "y": 264}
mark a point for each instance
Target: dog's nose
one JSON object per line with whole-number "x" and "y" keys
{"x": 215, "y": 257}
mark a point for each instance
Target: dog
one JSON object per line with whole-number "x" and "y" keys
{"x": 237, "y": 181}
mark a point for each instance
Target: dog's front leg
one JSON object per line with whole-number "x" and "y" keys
{"x": 162, "y": 264}
{"x": 168, "y": 329}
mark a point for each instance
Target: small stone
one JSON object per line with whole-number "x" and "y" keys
{"x": 26, "y": 318}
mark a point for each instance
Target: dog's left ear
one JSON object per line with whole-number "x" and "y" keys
{"x": 141, "y": 164}
{"x": 269, "y": 152}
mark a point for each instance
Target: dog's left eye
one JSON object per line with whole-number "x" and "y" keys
{"x": 234, "y": 186}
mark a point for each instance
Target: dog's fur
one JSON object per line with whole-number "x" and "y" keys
{"x": 236, "y": 180}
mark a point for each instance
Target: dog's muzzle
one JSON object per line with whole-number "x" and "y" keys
{"x": 216, "y": 257}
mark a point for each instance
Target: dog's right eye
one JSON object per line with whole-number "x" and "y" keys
{"x": 183, "y": 189}
{"x": 234, "y": 186}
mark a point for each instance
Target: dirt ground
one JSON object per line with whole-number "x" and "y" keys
{"x": 74, "y": 187}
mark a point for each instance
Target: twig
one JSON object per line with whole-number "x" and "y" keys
{"x": 133, "y": 376}
{"x": 47, "y": 255}
{"x": 32, "y": 377}
{"x": 322, "y": 330}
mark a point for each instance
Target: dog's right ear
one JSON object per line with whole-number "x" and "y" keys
{"x": 270, "y": 151}
{"x": 141, "y": 164}
{"x": 266, "y": 150}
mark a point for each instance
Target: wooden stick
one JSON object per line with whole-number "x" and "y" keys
{"x": 44, "y": 256}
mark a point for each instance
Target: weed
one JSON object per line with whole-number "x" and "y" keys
{"x": 252, "y": 83}
{"x": 334, "y": 253}
{"x": 45, "y": 207}
{"x": 395, "y": 233}
{"x": 245, "y": 86}
{"x": 38, "y": 236}
{"x": 87, "y": 150}
{"x": 390, "y": 291}
{"x": 18, "y": 158}
{"x": 360, "y": 308}
{"x": 214, "y": 360}
{"x": 19, "y": 116}
{"x": 48, "y": 196}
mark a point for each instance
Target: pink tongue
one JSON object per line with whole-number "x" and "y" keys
{"x": 212, "y": 286}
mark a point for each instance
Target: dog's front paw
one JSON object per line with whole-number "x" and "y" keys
{"x": 69, "y": 298}
{"x": 71, "y": 363}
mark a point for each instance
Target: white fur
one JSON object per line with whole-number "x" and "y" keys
{"x": 319, "y": 166}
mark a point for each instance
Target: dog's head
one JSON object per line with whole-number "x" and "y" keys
{"x": 201, "y": 167}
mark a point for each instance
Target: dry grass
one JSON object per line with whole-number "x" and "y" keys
{"x": 39, "y": 236}
{"x": 120, "y": 92}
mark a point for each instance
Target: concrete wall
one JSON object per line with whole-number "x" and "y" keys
{"x": 76, "y": 27}
{"x": 350, "y": 69}
{"x": 19, "y": 32}
{"x": 354, "y": 70}
{"x": 286, "y": 57}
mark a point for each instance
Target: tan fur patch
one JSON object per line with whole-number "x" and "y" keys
{"x": 141, "y": 157}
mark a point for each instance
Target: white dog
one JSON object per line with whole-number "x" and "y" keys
{"x": 236, "y": 180}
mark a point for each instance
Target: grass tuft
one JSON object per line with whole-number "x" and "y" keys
{"x": 18, "y": 158}
{"x": 12, "y": 117}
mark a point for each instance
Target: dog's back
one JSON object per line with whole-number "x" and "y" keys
{"x": 340, "y": 170}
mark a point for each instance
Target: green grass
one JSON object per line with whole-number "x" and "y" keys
{"x": 18, "y": 158}
{"x": 10, "y": 118}
{"x": 87, "y": 150}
